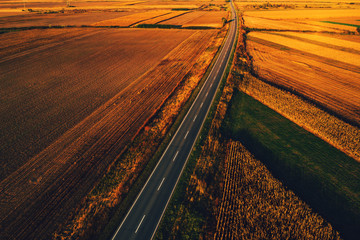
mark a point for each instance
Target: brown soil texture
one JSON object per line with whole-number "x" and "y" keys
{"x": 58, "y": 77}
{"x": 84, "y": 99}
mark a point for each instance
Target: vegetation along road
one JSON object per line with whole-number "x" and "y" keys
{"x": 145, "y": 214}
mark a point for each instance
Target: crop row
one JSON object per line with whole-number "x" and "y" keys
{"x": 255, "y": 205}
{"x": 40, "y": 194}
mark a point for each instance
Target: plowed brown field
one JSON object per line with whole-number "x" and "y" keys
{"x": 83, "y": 98}
{"x": 321, "y": 67}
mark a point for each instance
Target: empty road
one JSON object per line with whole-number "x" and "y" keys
{"x": 145, "y": 214}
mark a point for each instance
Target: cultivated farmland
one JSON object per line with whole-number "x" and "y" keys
{"x": 70, "y": 106}
{"x": 255, "y": 205}
{"x": 309, "y": 50}
{"x": 132, "y": 19}
{"x": 323, "y": 68}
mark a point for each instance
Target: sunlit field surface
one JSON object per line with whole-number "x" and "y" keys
{"x": 79, "y": 81}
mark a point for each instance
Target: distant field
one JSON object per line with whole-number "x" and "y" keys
{"x": 264, "y": 23}
{"x": 199, "y": 19}
{"x": 70, "y": 101}
{"x": 209, "y": 19}
{"x": 165, "y": 17}
{"x": 77, "y": 19}
{"x": 127, "y": 14}
{"x": 305, "y": 13}
{"x": 321, "y": 67}
{"x": 14, "y": 7}
{"x": 132, "y": 19}
{"x": 301, "y": 16}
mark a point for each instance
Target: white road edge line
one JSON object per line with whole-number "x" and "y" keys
{"x": 139, "y": 224}
{"x": 186, "y": 134}
{"x": 195, "y": 138}
{"x": 161, "y": 184}
{"x": 195, "y": 118}
{"x": 175, "y": 156}
{"x": 158, "y": 163}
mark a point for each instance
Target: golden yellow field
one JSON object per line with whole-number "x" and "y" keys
{"x": 132, "y": 19}
{"x": 254, "y": 204}
{"x": 209, "y": 19}
{"x": 305, "y": 13}
{"x": 311, "y": 48}
{"x": 324, "y": 16}
{"x": 300, "y": 43}
{"x": 117, "y": 13}
{"x": 164, "y": 17}
{"x": 323, "y": 68}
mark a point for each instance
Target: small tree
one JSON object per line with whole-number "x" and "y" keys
{"x": 224, "y": 21}
{"x": 358, "y": 29}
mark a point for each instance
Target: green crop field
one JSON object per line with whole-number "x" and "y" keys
{"x": 339, "y": 23}
{"x": 324, "y": 177}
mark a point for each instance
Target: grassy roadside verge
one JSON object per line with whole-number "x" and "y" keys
{"x": 175, "y": 206}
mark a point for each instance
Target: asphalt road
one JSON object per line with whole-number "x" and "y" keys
{"x": 145, "y": 214}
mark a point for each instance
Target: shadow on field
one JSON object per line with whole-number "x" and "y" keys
{"x": 316, "y": 188}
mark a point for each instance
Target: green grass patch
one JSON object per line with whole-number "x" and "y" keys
{"x": 324, "y": 177}
{"x": 198, "y": 27}
{"x": 182, "y": 9}
{"x": 157, "y": 26}
{"x": 339, "y": 23}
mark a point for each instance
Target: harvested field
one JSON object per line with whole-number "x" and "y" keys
{"x": 264, "y": 23}
{"x": 132, "y": 19}
{"x": 96, "y": 137}
{"x": 326, "y": 72}
{"x": 307, "y": 17}
{"x": 79, "y": 60}
{"x": 199, "y": 19}
{"x": 327, "y": 40}
{"x": 255, "y": 205}
{"x": 209, "y": 19}
{"x": 184, "y": 19}
{"x": 315, "y": 49}
{"x": 304, "y": 13}
{"x": 326, "y": 26}
{"x": 165, "y": 17}
{"x": 62, "y": 19}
